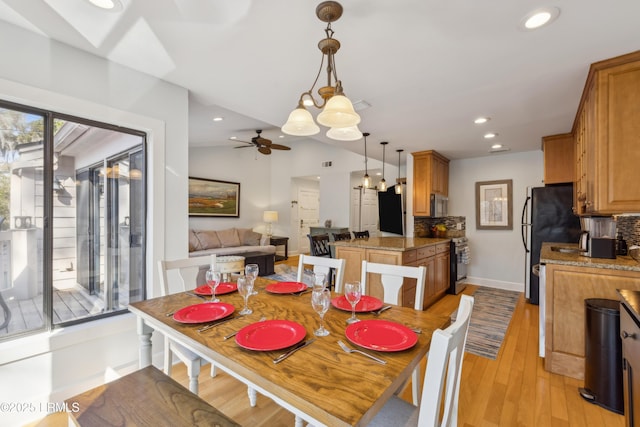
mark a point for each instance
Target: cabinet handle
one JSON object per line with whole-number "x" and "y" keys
{"x": 626, "y": 334}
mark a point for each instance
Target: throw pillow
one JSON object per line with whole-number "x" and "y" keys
{"x": 208, "y": 239}
{"x": 194, "y": 243}
{"x": 229, "y": 238}
{"x": 249, "y": 237}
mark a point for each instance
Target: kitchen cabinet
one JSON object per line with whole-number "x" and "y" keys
{"x": 606, "y": 133}
{"x": 431, "y": 253}
{"x": 430, "y": 176}
{"x": 567, "y": 286}
{"x": 559, "y": 155}
{"x": 630, "y": 337}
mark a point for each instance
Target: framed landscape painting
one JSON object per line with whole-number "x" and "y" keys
{"x": 494, "y": 205}
{"x": 208, "y": 197}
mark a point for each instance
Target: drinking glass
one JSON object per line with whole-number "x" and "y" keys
{"x": 320, "y": 300}
{"x": 251, "y": 271}
{"x": 352, "y": 292}
{"x": 213, "y": 280}
{"x": 245, "y": 289}
{"x": 319, "y": 281}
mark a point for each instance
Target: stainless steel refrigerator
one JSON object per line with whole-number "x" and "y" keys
{"x": 547, "y": 216}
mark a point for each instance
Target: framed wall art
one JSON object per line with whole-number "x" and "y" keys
{"x": 494, "y": 205}
{"x": 209, "y": 197}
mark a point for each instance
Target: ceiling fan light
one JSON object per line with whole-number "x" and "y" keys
{"x": 300, "y": 123}
{"x": 351, "y": 133}
{"x": 338, "y": 113}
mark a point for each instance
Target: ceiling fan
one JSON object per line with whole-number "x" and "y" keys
{"x": 264, "y": 145}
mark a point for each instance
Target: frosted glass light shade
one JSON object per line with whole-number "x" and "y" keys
{"x": 300, "y": 123}
{"x": 338, "y": 113}
{"x": 351, "y": 133}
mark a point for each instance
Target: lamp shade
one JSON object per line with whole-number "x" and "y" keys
{"x": 338, "y": 113}
{"x": 270, "y": 216}
{"x": 300, "y": 123}
{"x": 351, "y": 133}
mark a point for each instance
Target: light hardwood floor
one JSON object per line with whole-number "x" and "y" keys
{"x": 513, "y": 390}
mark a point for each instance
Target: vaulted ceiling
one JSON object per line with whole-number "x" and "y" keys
{"x": 426, "y": 68}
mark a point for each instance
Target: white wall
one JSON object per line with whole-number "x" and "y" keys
{"x": 266, "y": 182}
{"x": 39, "y": 72}
{"x": 497, "y": 256}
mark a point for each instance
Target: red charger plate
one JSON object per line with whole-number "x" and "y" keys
{"x": 366, "y": 303}
{"x": 270, "y": 335}
{"x": 203, "y": 312}
{"x": 285, "y": 287}
{"x": 381, "y": 335}
{"x": 223, "y": 288}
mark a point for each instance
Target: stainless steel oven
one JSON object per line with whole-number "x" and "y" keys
{"x": 459, "y": 258}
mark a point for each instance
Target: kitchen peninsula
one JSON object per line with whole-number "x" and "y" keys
{"x": 569, "y": 279}
{"x": 432, "y": 253}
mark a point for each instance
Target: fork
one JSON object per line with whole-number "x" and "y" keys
{"x": 233, "y": 334}
{"x": 385, "y": 308}
{"x": 353, "y": 350}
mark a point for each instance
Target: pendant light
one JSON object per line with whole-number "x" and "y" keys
{"x": 366, "y": 181}
{"x": 399, "y": 183}
{"x": 382, "y": 185}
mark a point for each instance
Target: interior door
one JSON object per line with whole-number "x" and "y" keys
{"x": 369, "y": 211}
{"x": 308, "y": 214}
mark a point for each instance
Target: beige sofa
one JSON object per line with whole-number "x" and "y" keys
{"x": 234, "y": 241}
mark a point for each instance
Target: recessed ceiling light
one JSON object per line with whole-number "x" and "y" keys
{"x": 496, "y": 146}
{"x": 110, "y": 5}
{"x": 481, "y": 120}
{"x": 218, "y": 119}
{"x": 539, "y": 17}
{"x": 281, "y": 136}
{"x": 234, "y": 137}
{"x": 490, "y": 135}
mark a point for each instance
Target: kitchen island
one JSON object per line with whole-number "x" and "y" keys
{"x": 433, "y": 253}
{"x": 569, "y": 278}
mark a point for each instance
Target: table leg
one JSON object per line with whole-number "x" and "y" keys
{"x": 144, "y": 333}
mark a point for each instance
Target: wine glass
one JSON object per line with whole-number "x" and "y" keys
{"x": 352, "y": 292}
{"x": 251, "y": 271}
{"x": 319, "y": 281}
{"x": 320, "y": 300}
{"x": 245, "y": 289}
{"x": 213, "y": 280}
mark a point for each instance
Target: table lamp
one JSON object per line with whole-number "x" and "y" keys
{"x": 270, "y": 217}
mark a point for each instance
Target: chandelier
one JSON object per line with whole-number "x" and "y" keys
{"x": 337, "y": 110}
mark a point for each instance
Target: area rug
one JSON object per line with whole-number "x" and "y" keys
{"x": 283, "y": 273}
{"x": 490, "y": 318}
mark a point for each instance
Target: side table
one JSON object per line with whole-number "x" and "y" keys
{"x": 281, "y": 241}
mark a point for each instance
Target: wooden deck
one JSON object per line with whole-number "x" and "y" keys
{"x": 68, "y": 304}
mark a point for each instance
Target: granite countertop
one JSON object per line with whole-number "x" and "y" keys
{"x": 549, "y": 256}
{"x": 400, "y": 244}
{"x": 632, "y": 300}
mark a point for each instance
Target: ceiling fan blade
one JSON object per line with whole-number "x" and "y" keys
{"x": 244, "y": 146}
{"x": 279, "y": 147}
{"x": 260, "y": 140}
{"x": 265, "y": 150}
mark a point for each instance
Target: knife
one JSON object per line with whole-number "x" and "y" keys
{"x": 196, "y": 295}
{"x": 211, "y": 325}
{"x": 293, "y": 350}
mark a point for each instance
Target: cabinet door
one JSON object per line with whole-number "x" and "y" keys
{"x": 353, "y": 262}
{"x": 618, "y": 145}
{"x": 558, "y": 153}
{"x": 421, "y": 184}
{"x": 430, "y": 282}
{"x": 442, "y": 273}
{"x": 630, "y": 335}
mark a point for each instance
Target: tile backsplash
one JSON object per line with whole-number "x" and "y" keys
{"x": 422, "y": 225}
{"x": 629, "y": 226}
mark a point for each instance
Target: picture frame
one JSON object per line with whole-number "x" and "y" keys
{"x": 213, "y": 198}
{"x": 494, "y": 205}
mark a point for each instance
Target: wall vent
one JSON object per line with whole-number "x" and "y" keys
{"x": 326, "y": 164}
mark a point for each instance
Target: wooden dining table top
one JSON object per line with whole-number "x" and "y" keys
{"x": 320, "y": 380}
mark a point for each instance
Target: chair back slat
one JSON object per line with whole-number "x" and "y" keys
{"x": 319, "y": 245}
{"x": 341, "y": 236}
{"x": 187, "y": 272}
{"x": 332, "y": 267}
{"x": 361, "y": 234}
{"x": 392, "y": 278}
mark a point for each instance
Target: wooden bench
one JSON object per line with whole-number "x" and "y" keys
{"x": 144, "y": 398}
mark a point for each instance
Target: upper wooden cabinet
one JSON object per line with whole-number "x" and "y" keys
{"x": 607, "y": 139}
{"x": 430, "y": 176}
{"x": 559, "y": 158}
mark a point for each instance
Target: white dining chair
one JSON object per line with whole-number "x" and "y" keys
{"x": 444, "y": 370}
{"x": 392, "y": 278}
{"x": 187, "y": 270}
{"x": 323, "y": 265}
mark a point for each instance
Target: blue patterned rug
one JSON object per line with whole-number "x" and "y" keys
{"x": 490, "y": 318}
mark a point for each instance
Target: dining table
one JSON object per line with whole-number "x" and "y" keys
{"x": 319, "y": 383}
